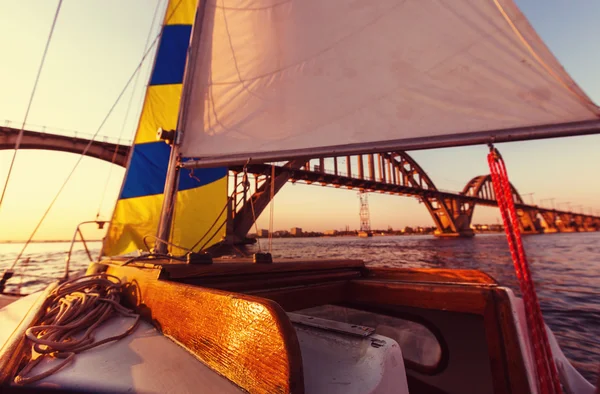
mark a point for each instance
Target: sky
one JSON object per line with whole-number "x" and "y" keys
{"x": 98, "y": 44}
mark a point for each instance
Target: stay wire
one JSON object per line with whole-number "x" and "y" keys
{"x": 229, "y": 199}
{"x": 149, "y": 249}
{"x": 127, "y": 112}
{"x": 254, "y": 220}
{"x": 87, "y": 147}
{"x": 271, "y": 208}
{"x": 31, "y": 97}
{"x": 245, "y": 186}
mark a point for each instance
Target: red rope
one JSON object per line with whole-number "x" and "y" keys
{"x": 547, "y": 375}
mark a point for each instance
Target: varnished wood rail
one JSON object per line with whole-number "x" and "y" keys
{"x": 248, "y": 340}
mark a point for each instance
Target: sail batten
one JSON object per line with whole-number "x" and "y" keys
{"x": 279, "y": 80}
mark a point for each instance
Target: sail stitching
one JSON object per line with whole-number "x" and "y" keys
{"x": 222, "y": 7}
{"x": 329, "y": 48}
{"x": 546, "y": 67}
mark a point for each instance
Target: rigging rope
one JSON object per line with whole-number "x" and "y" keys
{"x": 227, "y": 203}
{"x": 245, "y": 186}
{"x": 87, "y": 147}
{"x": 127, "y": 111}
{"x": 252, "y": 206}
{"x": 272, "y": 208}
{"x": 548, "y": 381}
{"x": 37, "y": 79}
{"x": 78, "y": 305}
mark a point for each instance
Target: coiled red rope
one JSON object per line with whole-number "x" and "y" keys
{"x": 548, "y": 381}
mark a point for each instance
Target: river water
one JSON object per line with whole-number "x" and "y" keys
{"x": 565, "y": 267}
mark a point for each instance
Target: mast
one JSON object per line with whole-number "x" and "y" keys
{"x": 171, "y": 183}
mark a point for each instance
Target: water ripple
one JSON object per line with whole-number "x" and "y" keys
{"x": 565, "y": 267}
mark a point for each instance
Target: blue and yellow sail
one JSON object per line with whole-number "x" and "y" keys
{"x": 202, "y": 195}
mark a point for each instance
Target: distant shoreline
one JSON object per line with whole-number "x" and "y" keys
{"x": 374, "y": 233}
{"x": 310, "y": 235}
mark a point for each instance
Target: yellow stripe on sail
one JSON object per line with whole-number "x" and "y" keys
{"x": 181, "y": 12}
{"x": 133, "y": 219}
{"x": 201, "y": 198}
{"x": 160, "y": 109}
{"x": 196, "y": 210}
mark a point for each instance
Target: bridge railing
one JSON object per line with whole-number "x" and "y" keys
{"x": 67, "y": 133}
{"x": 328, "y": 170}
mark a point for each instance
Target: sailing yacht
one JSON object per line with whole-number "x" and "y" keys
{"x": 237, "y": 82}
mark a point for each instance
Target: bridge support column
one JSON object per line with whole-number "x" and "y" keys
{"x": 548, "y": 223}
{"x": 371, "y": 167}
{"x": 361, "y": 169}
{"x": 529, "y": 222}
{"x": 243, "y": 220}
{"x": 349, "y": 167}
{"x": 456, "y": 223}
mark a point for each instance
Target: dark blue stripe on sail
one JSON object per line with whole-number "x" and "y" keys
{"x": 172, "y": 52}
{"x": 148, "y": 171}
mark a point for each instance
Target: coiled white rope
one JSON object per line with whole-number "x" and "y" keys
{"x": 78, "y": 305}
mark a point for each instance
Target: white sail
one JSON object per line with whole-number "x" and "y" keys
{"x": 307, "y": 75}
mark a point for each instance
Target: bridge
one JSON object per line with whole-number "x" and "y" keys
{"x": 396, "y": 173}
{"x": 101, "y": 149}
{"x": 393, "y": 173}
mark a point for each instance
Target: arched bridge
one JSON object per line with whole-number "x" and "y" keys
{"x": 532, "y": 216}
{"x": 388, "y": 172}
{"x": 103, "y": 150}
{"x": 394, "y": 173}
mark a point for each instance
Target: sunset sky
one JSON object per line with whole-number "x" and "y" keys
{"x": 98, "y": 44}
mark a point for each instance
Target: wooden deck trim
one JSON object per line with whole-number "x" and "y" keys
{"x": 464, "y": 299}
{"x": 15, "y": 348}
{"x": 515, "y": 364}
{"x": 432, "y": 275}
{"x": 280, "y": 280}
{"x": 232, "y": 267}
{"x": 496, "y": 351}
{"x": 307, "y": 296}
{"x": 248, "y": 340}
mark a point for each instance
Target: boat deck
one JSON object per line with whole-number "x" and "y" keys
{"x": 8, "y": 299}
{"x": 234, "y": 316}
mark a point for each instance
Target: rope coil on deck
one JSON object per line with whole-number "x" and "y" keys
{"x": 78, "y": 305}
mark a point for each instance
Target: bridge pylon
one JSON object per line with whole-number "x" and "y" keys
{"x": 365, "y": 217}
{"x": 482, "y": 187}
{"x": 453, "y": 218}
